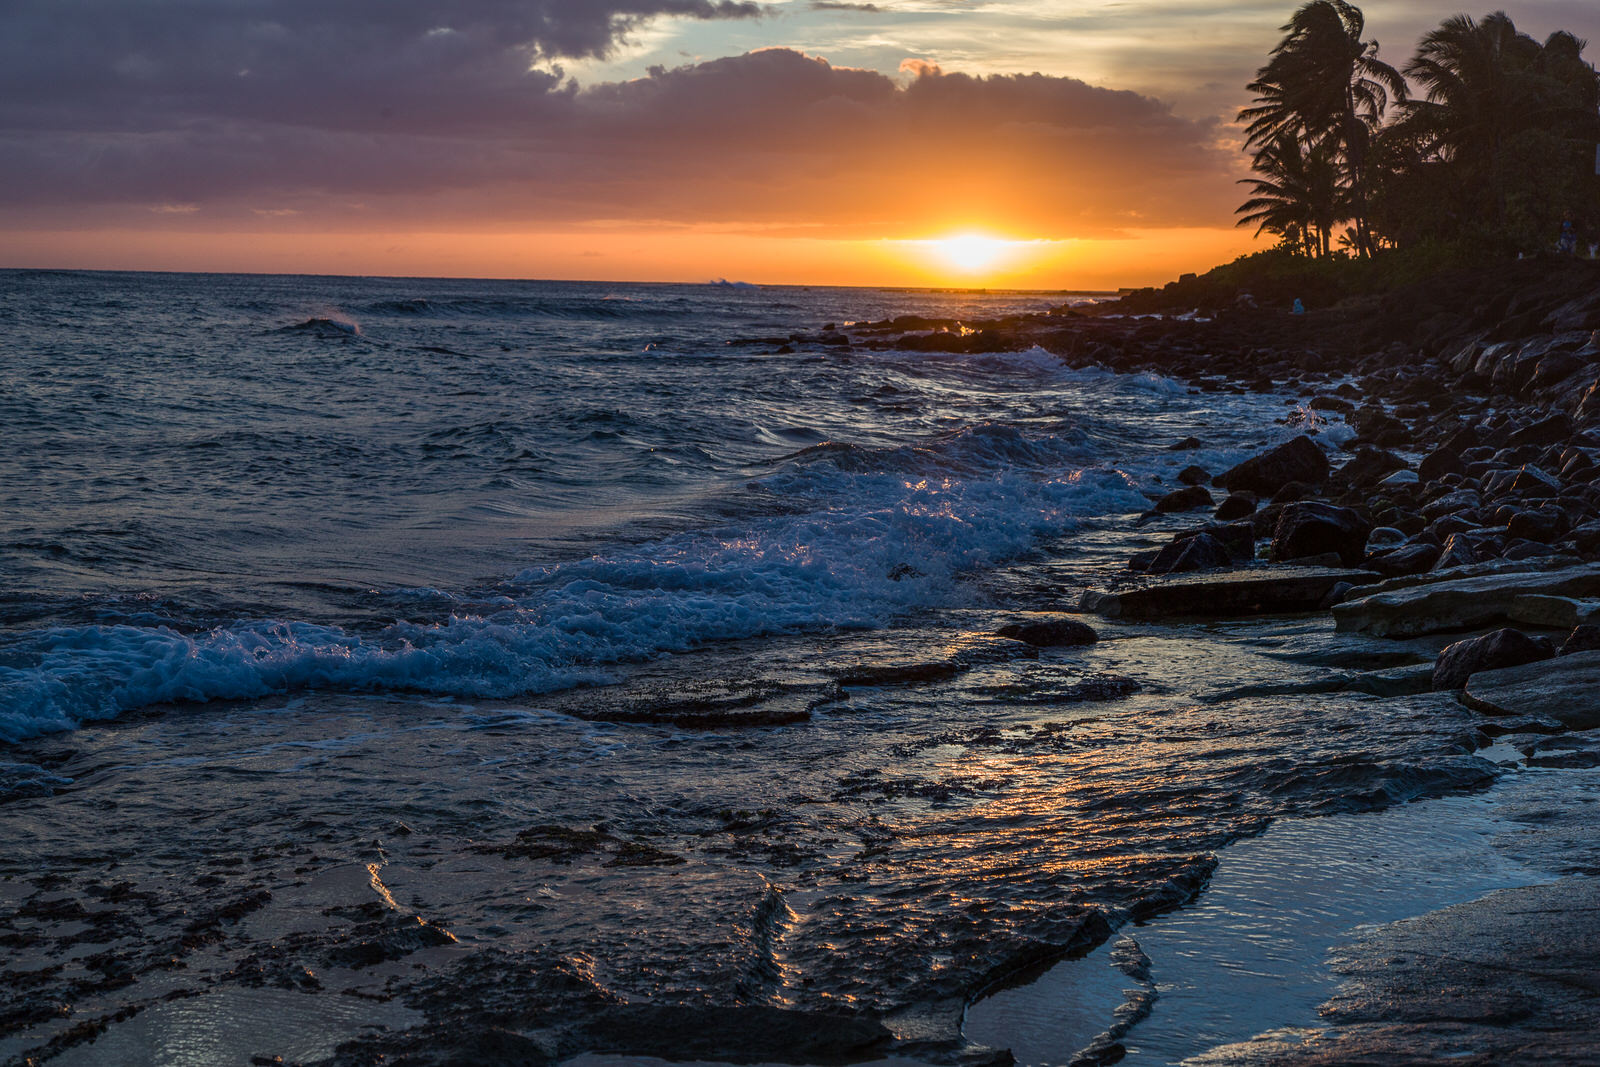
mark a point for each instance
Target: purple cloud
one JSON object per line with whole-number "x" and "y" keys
{"x": 407, "y": 125}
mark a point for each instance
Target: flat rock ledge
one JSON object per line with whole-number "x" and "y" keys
{"x": 1566, "y": 689}
{"x": 1528, "y": 597}
{"x": 1274, "y": 591}
{"x": 1512, "y": 978}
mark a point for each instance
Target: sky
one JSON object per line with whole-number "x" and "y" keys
{"x": 1003, "y": 143}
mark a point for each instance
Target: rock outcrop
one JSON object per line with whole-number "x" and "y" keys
{"x": 1459, "y": 604}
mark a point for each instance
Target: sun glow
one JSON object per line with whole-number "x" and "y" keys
{"x": 290, "y": 245}
{"x": 972, "y": 252}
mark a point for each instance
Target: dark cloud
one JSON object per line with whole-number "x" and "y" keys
{"x": 838, "y": 5}
{"x": 138, "y": 63}
{"x": 772, "y": 138}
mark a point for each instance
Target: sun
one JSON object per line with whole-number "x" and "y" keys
{"x": 971, "y": 252}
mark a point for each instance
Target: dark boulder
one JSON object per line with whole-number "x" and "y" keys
{"x": 1374, "y": 426}
{"x": 1237, "y": 506}
{"x": 1369, "y": 466}
{"x": 1554, "y": 368}
{"x": 1586, "y": 538}
{"x": 1192, "y": 475}
{"x": 1384, "y": 538}
{"x": 1532, "y": 483}
{"x": 1527, "y": 482}
{"x": 1578, "y": 466}
{"x": 1201, "y": 552}
{"x": 1459, "y": 551}
{"x": 1312, "y": 529}
{"x": 1195, "y": 496}
{"x": 1501, "y": 516}
{"x": 1408, "y": 523}
{"x": 1544, "y": 525}
{"x": 1521, "y": 548}
{"x": 1300, "y": 460}
{"x": 1250, "y": 592}
{"x": 1502, "y": 648}
{"x": 1407, "y": 559}
{"x": 1464, "y": 438}
{"x": 1050, "y": 632}
{"x": 1438, "y": 463}
{"x": 1512, "y": 372}
{"x": 1237, "y": 538}
{"x": 1583, "y": 638}
{"x": 1553, "y": 430}
{"x": 1454, "y": 503}
{"x": 1290, "y": 493}
{"x": 1589, "y": 404}
{"x": 1440, "y": 528}
{"x": 1265, "y": 519}
{"x": 1336, "y": 595}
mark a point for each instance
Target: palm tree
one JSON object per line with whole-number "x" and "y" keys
{"x": 1561, "y": 62}
{"x": 1494, "y": 99}
{"x": 1569, "y": 89}
{"x": 1297, "y": 195}
{"x": 1328, "y": 87}
{"x": 1470, "y": 72}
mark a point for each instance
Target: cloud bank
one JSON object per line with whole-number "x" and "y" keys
{"x": 191, "y": 112}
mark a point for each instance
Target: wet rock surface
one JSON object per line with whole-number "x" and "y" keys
{"x": 1502, "y": 648}
{"x": 1510, "y": 978}
{"x": 1454, "y": 604}
{"x": 1279, "y": 590}
{"x": 917, "y": 839}
{"x": 1050, "y": 631}
{"x": 1566, "y": 689}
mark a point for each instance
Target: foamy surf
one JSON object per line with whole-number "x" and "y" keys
{"x": 884, "y": 532}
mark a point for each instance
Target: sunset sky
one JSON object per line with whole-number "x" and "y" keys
{"x": 1071, "y": 143}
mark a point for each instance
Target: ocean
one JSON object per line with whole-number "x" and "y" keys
{"x": 234, "y": 486}
{"x": 634, "y": 643}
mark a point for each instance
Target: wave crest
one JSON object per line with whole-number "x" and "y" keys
{"x": 856, "y": 544}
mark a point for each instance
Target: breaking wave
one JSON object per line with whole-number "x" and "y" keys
{"x": 865, "y": 535}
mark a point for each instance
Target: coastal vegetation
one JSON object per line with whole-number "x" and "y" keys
{"x": 1484, "y": 145}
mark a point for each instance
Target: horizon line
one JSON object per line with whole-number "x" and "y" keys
{"x": 718, "y": 282}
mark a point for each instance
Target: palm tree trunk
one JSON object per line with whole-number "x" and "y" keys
{"x": 1356, "y": 149}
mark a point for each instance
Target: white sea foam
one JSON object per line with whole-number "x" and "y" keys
{"x": 868, "y": 534}
{"x": 1336, "y": 433}
{"x": 1036, "y": 360}
{"x": 1144, "y": 382}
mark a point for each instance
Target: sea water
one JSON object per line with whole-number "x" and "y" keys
{"x": 325, "y": 595}
{"x": 230, "y": 486}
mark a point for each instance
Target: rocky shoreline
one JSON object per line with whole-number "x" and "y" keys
{"x": 1464, "y": 488}
{"x": 1462, "y": 499}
